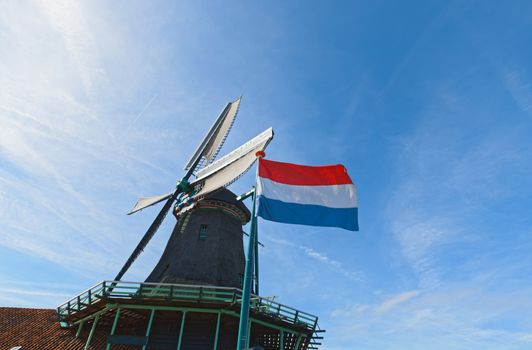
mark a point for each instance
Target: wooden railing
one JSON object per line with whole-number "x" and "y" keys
{"x": 109, "y": 290}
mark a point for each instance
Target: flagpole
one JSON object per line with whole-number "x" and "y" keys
{"x": 243, "y": 336}
{"x": 243, "y": 329}
{"x": 256, "y": 259}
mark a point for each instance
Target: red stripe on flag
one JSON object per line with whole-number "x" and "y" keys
{"x": 303, "y": 175}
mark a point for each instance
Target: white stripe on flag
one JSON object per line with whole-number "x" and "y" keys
{"x": 332, "y": 196}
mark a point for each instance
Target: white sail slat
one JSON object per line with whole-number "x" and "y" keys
{"x": 145, "y": 202}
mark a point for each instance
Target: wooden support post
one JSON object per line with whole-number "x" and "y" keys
{"x": 298, "y": 343}
{"x": 113, "y": 328}
{"x": 80, "y": 326}
{"x": 149, "y": 325}
{"x": 89, "y": 339}
{"x": 181, "y": 330}
{"x": 217, "y": 331}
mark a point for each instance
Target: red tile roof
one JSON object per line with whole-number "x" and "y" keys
{"x": 39, "y": 329}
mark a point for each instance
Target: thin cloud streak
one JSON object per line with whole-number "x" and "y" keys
{"x": 394, "y": 301}
{"x": 334, "y": 265}
{"x": 142, "y": 112}
{"x": 33, "y": 292}
{"x": 60, "y": 153}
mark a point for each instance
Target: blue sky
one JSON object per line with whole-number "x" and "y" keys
{"x": 427, "y": 103}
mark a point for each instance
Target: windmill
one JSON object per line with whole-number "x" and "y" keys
{"x": 211, "y": 176}
{"x": 193, "y": 299}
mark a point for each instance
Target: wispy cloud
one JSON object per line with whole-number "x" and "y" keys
{"x": 33, "y": 292}
{"x": 68, "y": 19}
{"x": 63, "y": 150}
{"x": 350, "y": 310}
{"x": 332, "y": 264}
{"x": 144, "y": 109}
{"x": 379, "y": 309}
{"x": 430, "y": 315}
{"x": 520, "y": 89}
{"x": 394, "y": 301}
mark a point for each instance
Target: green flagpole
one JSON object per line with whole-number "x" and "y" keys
{"x": 256, "y": 290}
{"x": 243, "y": 331}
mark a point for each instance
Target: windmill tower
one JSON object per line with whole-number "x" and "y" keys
{"x": 192, "y": 298}
{"x": 206, "y": 245}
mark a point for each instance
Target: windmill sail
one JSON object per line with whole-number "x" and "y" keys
{"x": 229, "y": 168}
{"x": 221, "y": 134}
{"x": 147, "y": 236}
{"x": 214, "y": 140}
{"x": 145, "y": 202}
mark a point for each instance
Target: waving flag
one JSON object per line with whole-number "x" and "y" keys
{"x": 307, "y": 195}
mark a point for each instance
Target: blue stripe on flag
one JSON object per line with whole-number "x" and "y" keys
{"x": 305, "y": 214}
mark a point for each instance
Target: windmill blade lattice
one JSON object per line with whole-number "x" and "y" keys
{"x": 215, "y": 138}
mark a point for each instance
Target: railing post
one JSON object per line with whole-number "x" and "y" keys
{"x": 79, "y": 303}
{"x": 104, "y": 291}
{"x": 90, "y": 299}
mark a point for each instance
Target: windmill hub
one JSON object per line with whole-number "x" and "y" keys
{"x": 183, "y": 185}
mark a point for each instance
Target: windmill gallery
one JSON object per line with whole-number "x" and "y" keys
{"x": 204, "y": 291}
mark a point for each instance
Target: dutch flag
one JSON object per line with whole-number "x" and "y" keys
{"x": 307, "y": 195}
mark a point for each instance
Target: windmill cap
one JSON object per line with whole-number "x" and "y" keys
{"x": 227, "y": 196}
